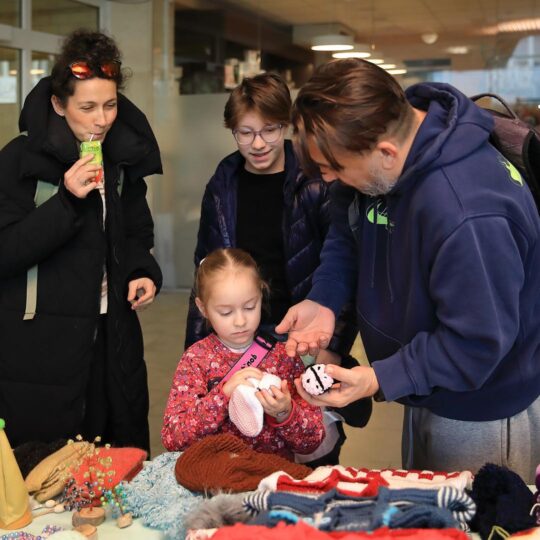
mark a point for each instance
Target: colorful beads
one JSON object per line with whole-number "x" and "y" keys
{"x": 21, "y": 535}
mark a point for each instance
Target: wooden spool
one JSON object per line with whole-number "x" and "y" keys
{"x": 125, "y": 520}
{"x": 88, "y": 516}
{"x": 87, "y": 530}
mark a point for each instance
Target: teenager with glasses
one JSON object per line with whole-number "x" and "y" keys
{"x": 259, "y": 200}
{"x": 75, "y": 261}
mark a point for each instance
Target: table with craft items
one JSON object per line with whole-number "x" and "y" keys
{"x": 108, "y": 530}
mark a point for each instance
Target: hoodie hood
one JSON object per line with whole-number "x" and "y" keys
{"x": 454, "y": 123}
{"x": 51, "y": 144}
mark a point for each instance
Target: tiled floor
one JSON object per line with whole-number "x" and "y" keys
{"x": 377, "y": 445}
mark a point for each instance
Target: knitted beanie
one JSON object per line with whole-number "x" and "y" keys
{"x": 225, "y": 462}
{"x": 502, "y": 499}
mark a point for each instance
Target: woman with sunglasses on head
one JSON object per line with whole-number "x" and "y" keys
{"x": 75, "y": 261}
{"x": 259, "y": 200}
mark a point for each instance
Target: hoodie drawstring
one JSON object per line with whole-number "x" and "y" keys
{"x": 375, "y": 223}
{"x": 388, "y": 258}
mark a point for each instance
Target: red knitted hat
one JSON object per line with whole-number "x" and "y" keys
{"x": 225, "y": 462}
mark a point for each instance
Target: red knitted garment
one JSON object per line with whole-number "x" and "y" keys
{"x": 302, "y": 531}
{"x": 227, "y": 463}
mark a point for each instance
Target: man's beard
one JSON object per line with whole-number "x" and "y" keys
{"x": 380, "y": 183}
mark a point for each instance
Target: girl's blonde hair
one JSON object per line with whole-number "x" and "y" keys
{"x": 225, "y": 259}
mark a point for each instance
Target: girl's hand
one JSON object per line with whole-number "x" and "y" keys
{"x": 241, "y": 377}
{"x": 276, "y": 402}
{"x": 141, "y": 293}
{"x": 80, "y": 178}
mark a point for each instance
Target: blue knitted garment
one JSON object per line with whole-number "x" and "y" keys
{"x": 155, "y": 496}
{"x": 394, "y": 508}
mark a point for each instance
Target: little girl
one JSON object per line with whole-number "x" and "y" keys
{"x": 229, "y": 293}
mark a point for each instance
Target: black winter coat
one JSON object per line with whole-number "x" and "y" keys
{"x": 45, "y": 362}
{"x": 306, "y": 218}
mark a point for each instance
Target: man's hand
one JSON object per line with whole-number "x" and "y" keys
{"x": 351, "y": 385}
{"x": 141, "y": 293}
{"x": 310, "y": 327}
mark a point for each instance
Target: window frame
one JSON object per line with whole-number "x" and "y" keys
{"x": 27, "y": 40}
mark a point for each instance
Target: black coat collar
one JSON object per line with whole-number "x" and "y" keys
{"x": 52, "y": 145}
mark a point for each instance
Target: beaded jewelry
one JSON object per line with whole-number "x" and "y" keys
{"x": 115, "y": 500}
{"x": 98, "y": 474}
{"x": 21, "y": 535}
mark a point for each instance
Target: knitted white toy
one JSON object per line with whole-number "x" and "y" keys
{"x": 245, "y": 410}
{"x": 315, "y": 380}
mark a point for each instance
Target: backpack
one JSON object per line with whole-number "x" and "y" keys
{"x": 516, "y": 140}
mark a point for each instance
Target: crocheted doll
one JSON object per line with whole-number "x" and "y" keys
{"x": 315, "y": 380}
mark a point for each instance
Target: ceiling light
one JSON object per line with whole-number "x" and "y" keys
{"x": 332, "y": 42}
{"x": 518, "y": 25}
{"x": 377, "y": 58}
{"x": 361, "y": 50}
{"x": 429, "y": 38}
{"x": 521, "y": 25}
{"x": 397, "y": 71}
{"x": 388, "y": 66}
{"x": 350, "y": 54}
{"x": 458, "y": 49}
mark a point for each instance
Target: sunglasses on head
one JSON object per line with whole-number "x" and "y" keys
{"x": 82, "y": 70}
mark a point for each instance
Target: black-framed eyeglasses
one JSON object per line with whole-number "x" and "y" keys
{"x": 269, "y": 134}
{"x": 82, "y": 70}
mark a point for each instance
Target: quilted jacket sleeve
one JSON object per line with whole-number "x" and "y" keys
{"x": 207, "y": 240}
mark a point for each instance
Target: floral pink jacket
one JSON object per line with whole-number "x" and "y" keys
{"x": 193, "y": 411}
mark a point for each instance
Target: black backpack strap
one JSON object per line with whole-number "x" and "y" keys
{"x": 516, "y": 140}
{"x": 511, "y": 113}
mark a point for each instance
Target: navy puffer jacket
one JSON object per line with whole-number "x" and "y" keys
{"x": 306, "y": 218}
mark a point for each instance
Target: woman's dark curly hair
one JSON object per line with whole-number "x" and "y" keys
{"x": 92, "y": 47}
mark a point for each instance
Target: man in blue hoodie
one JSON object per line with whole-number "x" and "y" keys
{"x": 439, "y": 241}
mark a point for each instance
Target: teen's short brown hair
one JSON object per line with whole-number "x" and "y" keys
{"x": 348, "y": 104}
{"x": 266, "y": 94}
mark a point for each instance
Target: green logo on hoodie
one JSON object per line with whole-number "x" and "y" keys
{"x": 515, "y": 176}
{"x": 382, "y": 216}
